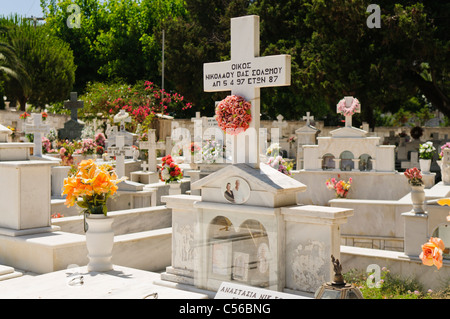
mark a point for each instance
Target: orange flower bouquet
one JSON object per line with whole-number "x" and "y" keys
{"x": 432, "y": 252}
{"x": 93, "y": 184}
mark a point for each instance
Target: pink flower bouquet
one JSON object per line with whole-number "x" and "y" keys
{"x": 233, "y": 114}
{"x": 340, "y": 187}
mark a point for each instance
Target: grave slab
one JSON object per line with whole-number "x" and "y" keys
{"x": 119, "y": 283}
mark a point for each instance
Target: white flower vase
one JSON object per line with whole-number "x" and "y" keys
{"x": 418, "y": 198}
{"x": 174, "y": 188}
{"x": 99, "y": 242}
{"x": 425, "y": 165}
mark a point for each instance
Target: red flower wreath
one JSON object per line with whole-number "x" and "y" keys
{"x": 233, "y": 114}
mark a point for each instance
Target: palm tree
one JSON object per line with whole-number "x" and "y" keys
{"x": 16, "y": 75}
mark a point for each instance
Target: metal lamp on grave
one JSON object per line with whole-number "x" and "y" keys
{"x": 338, "y": 288}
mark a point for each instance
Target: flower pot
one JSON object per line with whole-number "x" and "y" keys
{"x": 174, "y": 188}
{"x": 99, "y": 242}
{"x": 425, "y": 165}
{"x": 418, "y": 199}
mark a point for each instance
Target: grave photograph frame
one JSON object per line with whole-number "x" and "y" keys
{"x": 243, "y": 185}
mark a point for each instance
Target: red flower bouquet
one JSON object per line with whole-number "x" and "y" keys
{"x": 170, "y": 172}
{"x": 233, "y": 114}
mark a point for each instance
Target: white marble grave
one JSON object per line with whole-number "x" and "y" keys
{"x": 215, "y": 240}
{"x": 246, "y": 226}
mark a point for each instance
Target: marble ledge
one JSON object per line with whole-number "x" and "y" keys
{"x": 26, "y": 163}
{"x": 260, "y": 210}
{"x": 316, "y": 214}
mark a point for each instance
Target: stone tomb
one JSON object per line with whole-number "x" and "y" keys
{"x": 348, "y": 152}
{"x": 24, "y": 190}
{"x": 263, "y": 239}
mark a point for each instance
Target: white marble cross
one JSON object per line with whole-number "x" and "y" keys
{"x": 348, "y": 103}
{"x": 122, "y": 117}
{"x": 37, "y": 129}
{"x": 150, "y": 146}
{"x": 244, "y": 75}
{"x": 73, "y": 105}
{"x": 308, "y": 118}
{"x": 120, "y": 151}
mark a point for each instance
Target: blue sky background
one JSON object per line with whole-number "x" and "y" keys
{"x": 25, "y": 8}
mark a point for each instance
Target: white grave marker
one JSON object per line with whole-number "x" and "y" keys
{"x": 150, "y": 146}
{"x": 308, "y": 118}
{"x": 37, "y": 129}
{"x": 245, "y": 74}
{"x": 122, "y": 117}
{"x": 120, "y": 151}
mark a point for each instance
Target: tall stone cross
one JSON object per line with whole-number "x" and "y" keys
{"x": 244, "y": 75}
{"x": 120, "y": 151}
{"x": 348, "y": 104}
{"x": 308, "y": 118}
{"x": 150, "y": 146}
{"x": 73, "y": 105}
{"x": 37, "y": 129}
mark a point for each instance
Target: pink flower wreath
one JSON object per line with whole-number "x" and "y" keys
{"x": 233, "y": 114}
{"x": 348, "y": 110}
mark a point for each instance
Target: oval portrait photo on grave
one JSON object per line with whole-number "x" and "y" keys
{"x": 236, "y": 190}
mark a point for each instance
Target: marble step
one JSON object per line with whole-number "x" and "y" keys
{"x": 7, "y": 272}
{"x": 178, "y": 276}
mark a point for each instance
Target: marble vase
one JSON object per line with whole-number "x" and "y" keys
{"x": 99, "y": 242}
{"x": 425, "y": 165}
{"x": 418, "y": 199}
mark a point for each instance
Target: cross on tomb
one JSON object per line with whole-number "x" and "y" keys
{"x": 348, "y": 104}
{"x": 73, "y": 105}
{"x": 150, "y": 146}
{"x": 120, "y": 151}
{"x": 245, "y": 74}
{"x": 122, "y": 117}
{"x": 37, "y": 129}
{"x": 308, "y": 118}
{"x": 280, "y": 124}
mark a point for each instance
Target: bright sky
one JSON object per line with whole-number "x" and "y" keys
{"x": 25, "y": 8}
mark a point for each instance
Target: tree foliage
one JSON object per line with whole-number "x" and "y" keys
{"x": 334, "y": 52}
{"x": 117, "y": 40}
{"x": 47, "y": 60}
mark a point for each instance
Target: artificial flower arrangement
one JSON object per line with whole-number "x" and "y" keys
{"x": 66, "y": 152}
{"x": 340, "y": 187}
{"x": 233, "y": 114}
{"x": 426, "y": 150}
{"x": 280, "y": 164}
{"x": 273, "y": 150}
{"x": 195, "y": 148}
{"x": 212, "y": 150}
{"x": 342, "y": 107}
{"x": 443, "y": 147}
{"x": 44, "y": 115}
{"x": 88, "y": 146}
{"x": 100, "y": 139}
{"x": 169, "y": 170}
{"x": 24, "y": 115}
{"x": 414, "y": 176}
{"x": 46, "y": 145}
{"x": 93, "y": 184}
